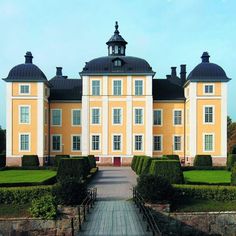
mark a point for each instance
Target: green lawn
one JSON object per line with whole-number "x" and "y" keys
{"x": 23, "y": 176}
{"x": 207, "y": 176}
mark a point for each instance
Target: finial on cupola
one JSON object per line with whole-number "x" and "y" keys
{"x": 116, "y": 27}
{"x": 205, "y": 57}
{"x": 28, "y": 57}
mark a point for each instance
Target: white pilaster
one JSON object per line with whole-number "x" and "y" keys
{"x": 105, "y": 134}
{"x": 9, "y": 120}
{"x": 129, "y": 118}
{"x": 149, "y": 126}
{"x": 224, "y": 119}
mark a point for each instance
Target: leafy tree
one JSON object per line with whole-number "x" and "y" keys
{"x": 231, "y": 132}
{"x": 2, "y": 140}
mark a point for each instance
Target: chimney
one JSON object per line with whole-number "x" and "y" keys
{"x": 173, "y": 71}
{"x": 183, "y": 72}
{"x": 28, "y": 57}
{"x": 59, "y": 71}
{"x": 168, "y": 76}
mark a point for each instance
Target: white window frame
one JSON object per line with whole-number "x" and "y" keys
{"x": 143, "y": 143}
{"x": 121, "y": 146}
{"x": 120, "y": 85}
{"x": 213, "y": 115}
{"x": 72, "y": 136}
{"x": 134, "y": 116}
{"x": 181, "y": 142}
{"x": 100, "y": 85}
{"x": 173, "y": 115}
{"x": 134, "y": 87}
{"x": 72, "y": 120}
{"x": 52, "y": 117}
{"x": 91, "y": 115}
{"x": 121, "y": 119}
{"x": 161, "y": 136}
{"x": 19, "y": 140}
{"x": 19, "y": 91}
{"x": 161, "y": 110}
{"x": 213, "y": 89}
{"x": 213, "y": 142}
{"x": 60, "y": 135}
{"x": 19, "y": 112}
{"x": 91, "y": 142}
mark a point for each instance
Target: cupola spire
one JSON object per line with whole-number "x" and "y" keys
{"x": 28, "y": 57}
{"x": 116, "y": 27}
{"x": 205, "y": 57}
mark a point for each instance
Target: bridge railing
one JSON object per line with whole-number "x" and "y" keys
{"x": 147, "y": 213}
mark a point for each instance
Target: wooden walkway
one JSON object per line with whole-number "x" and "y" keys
{"x": 118, "y": 217}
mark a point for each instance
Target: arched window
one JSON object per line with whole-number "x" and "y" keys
{"x": 116, "y": 49}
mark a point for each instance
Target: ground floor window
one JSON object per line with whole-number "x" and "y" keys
{"x": 157, "y": 143}
{"x": 117, "y": 142}
{"x": 208, "y": 142}
{"x": 138, "y": 142}
{"x": 75, "y": 143}
{"x": 177, "y": 143}
{"x": 24, "y": 142}
{"x": 56, "y": 143}
{"x": 95, "y": 142}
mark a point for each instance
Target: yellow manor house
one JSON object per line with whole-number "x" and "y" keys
{"x": 117, "y": 110}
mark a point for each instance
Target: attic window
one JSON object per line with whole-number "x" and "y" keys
{"x": 117, "y": 63}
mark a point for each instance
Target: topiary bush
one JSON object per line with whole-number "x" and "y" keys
{"x": 137, "y": 163}
{"x": 44, "y": 207}
{"x": 92, "y": 161}
{"x": 30, "y": 160}
{"x": 58, "y": 158}
{"x": 154, "y": 188}
{"x": 168, "y": 169}
{"x": 233, "y": 175}
{"x": 86, "y": 164}
{"x": 2, "y": 160}
{"x": 140, "y": 166}
{"x": 202, "y": 160}
{"x": 171, "y": 157}
{"x": 231, "y": 160}
{"x": 133, "y": 163}
{"x": 145, "y": 165}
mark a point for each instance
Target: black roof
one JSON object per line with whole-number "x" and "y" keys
{"x": 163, "y": 89}
{"x": 26, "y": 72}
{"x": 105, "y": 66}
{"x": 116, "y": 38}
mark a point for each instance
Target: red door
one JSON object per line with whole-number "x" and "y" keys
{"x": 117, "y": 161}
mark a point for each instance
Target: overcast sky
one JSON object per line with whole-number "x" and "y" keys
{"x": 164, "y": 32}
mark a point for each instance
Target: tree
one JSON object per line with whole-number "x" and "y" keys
{"x": 231, "y": 133}
{"x": 2, "y": 140}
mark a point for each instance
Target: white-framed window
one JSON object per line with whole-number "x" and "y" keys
{"x": 117, "y": 116}
{"x": 116, "y": 142}
{"x": 24, "y": 142}
{"x": 76, "y": 117}
{"x": 138, "y": 116}
{"x": 75, "y": 143}
{"x": 95, "y": 118}
{"x": 117, "y": 87}
{"x": 95, "y": 141}
{"x": 177, "y": 143}
{"x": 45, "y": 116}
{"x": 95, "y": 87}
{"x": 56, "y": 143}
{"x": 177, "y": 117}
{"x": 208, "y": 114}
{"x": 208, "y": 89}
{"x": 157, "y": 143}
{"x": 117, "y": 62}
{"x": 138, "y": 85}
{"x": 116, "y": 49}
{"x": 24, "y": 114}
{"x": 24, "y": 89}
{"x": 56, "y": 115}
{"x": 138, "y": 142}
{"x": 208, "y": 145}
{"x": 157, "y": 117}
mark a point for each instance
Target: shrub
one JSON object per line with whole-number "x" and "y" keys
{"x": 233, "y": 151}
{"x": 71, "y": 168}
{"x": 22, "y": 195}
{"x": 202, "y": 160}
{"x": 138, "y": 158}
{"x": 44, "y": 207}
{"x": 58, "y": 158}
{"x": 140, "y": 166}
{"x": 30, "y": 160}
{"x": 86, "y": 164}
{"x": 92, "y": 161}
{"x": 146, "y": 165}
{"x": 69, "y": 191}
{"x": 169, "y": 169}
{"x": 134, "y": 159}
{"x": 154, "y": 188}
{"x": 171, "y": 157}
{"x": 231, "y": 159}
{"x": 233, "y": 175}
{"x": 2, "y": 160}
{"x": 205, "y": 192}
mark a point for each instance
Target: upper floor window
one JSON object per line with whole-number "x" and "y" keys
{"x": 138, "y": 87}
{"x": 76, "y": 117}
{"x": 208, "y": 114}
{"x": 56, "y": 117}
{"x": 95, "y": 116}
{"x": 208, "y": 142}
{"x": 95, "y": 87}
{"x": 116, "y": 142}
{"x": 24, "y": 142}
{"x": 209, "y": 89}
{"x": 138, "y": 116}
{"x": 117, "y": 116}
{"x": 177, "y": 143}
{"x": 177, "y": 117}
{"x": 157, "y": 117}
{"x": 117, "y": 87}
{"x": 24, "y": 114}
{"x": 24, "y": 89}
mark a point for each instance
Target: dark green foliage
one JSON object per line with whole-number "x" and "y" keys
{"x": 92, "y": 161}
{"x": 146, "y": 165}
{"x": 69, "y": 191}
{"x": 71, "y": 168}
{"x": 138, "y": 158}
{"x": 231, "y": 159}
{"x": 133, "y": 163}
{"x": 22, "y": 195}
{"x": 139, "y": 168}
{"x": 202, "y": 160}
{"x": 86, "y": 164}
{"x": 44, "y": 207}
{"x": 2, "y": 141}
{"x": 58, "y": 158}
{"x": 233, "y": 175}
{"x": 171, "y": 157}
{"x": 233, "y": 150}
{"x": 2, "y": 160}
{"x": 169, "y": 169}
{"x": 154, "y": 188}
{"x": 30, "y": 160}
{"x": 207, "y": 192}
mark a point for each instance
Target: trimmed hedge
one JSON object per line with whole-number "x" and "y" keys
{"x": 137, "y": 163}
{"x": 92, "y": 161}
{"x": 22, "y": 195}
{"x": 233, "y": 175}
{"x": 30, "y": 160}
{"x": 139, "y": 168}
{"x": 231, "y": 159}
{"x": 146, "y": 165}
{"x": 169, "y": 169}
{"x": 58, "y": 158}
{"x": 202, "y": 160}
{"x": 133, "y": 163}
{"x": 206, "y": 192}
{"x": 86, "y": 164}
{"x": 171, "y": 157}
{"x": 2, "y": 160}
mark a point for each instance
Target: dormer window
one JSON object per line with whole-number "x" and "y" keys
{"x": 117, "y": 62}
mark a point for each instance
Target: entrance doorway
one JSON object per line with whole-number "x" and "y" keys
{"x": 116, "y": 161}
